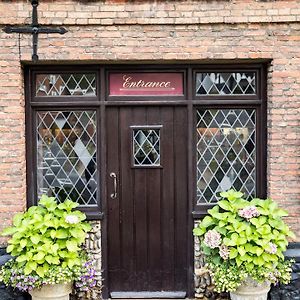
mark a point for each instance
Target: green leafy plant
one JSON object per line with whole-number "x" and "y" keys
{"x": 46, "y": 244}
{"x": 243, "y": 239}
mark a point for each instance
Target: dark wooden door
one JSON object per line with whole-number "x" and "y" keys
{"x": 147, "y": 220}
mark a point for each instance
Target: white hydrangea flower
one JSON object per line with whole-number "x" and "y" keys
{"x": 71, "y": 219}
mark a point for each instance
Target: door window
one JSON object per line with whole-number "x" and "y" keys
{"x": 146, "y": 146}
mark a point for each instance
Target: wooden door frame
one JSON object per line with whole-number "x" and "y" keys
{"x": 189, "y": 100}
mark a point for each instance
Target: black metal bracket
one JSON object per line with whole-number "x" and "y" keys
{"x": 35, "y": 29}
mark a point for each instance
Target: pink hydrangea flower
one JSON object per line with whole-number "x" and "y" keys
{"x": 273, "y": 248}
{"x": 212, "y": 239}
{"x": 224, "y": 252}
{"x": 249, "y": 212}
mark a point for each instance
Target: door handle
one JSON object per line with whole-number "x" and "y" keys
{"x": 114, "y": 177}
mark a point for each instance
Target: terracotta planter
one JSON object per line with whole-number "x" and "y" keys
{"x": 251, "y": 290}
{"x": 52, "y": 292}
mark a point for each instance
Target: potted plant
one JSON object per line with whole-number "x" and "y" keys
{"x": 243, "y": 242}
{"x": 46, "y": 246}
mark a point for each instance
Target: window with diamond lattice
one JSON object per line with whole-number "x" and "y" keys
{"x": 66, "y": 84}
{"x": 226, "y": 152}
{"x": 146, "y": 147}
{"x": 66, "y": 155}
{"x": 235, "y": 83}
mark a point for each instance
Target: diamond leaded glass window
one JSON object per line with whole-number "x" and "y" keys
{"x": 216, "y": 83}
{"x": 66, "y": 84}
{"x": 146, "y": 147}
{"x": 66, "y": 155}
{"x": 226, "y": 152}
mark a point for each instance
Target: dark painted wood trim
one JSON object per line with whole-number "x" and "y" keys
{"x": 103, "y": 199}
{"x": 100, "y": 104}
{"x": 29, "y": 139}
{"x": 146, "y": 69}
{"x": 236, "y": 68}
{"x": 191, "y": 185}
{"x": 264, "y": 132}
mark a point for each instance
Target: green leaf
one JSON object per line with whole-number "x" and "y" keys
{"x": 258, "y": 261}
{"x": 53, "y": 234}
{"x": 238, "y": 261}
{"x": 216, "y": 260}
{"x": 32, "y": 265}
{"x": 241, "y": 241}
{"x": 29, "y": 255}
{"x": 221, "y": 230}
{"x": 68, "y": 205}
{"x": 234, "y": 237}
{"x": 39, "y": 256}
{"x": 40, "y": 271}
{"x": 266, "y": 257}
{"x": 48, "y": 202}
{"x": 241, "y": 250}
{"x": 206, "y": 250}
{"x": 233, "y": 253}
{"x": 27, "y": 269}
{"x": 10, "y": 248}
{"x": 48, "y": 259}
{"x": 264, "y": 230}
{"x": 225, "y": 205}
{"x": 55, "y": 260}
{"x": 255, "y": 222}
{"x": 63, "y": 253}
{"x": 231, "y": 195}
{"x": 213, "y": 210}
{"x": 291, "y": 234}
{"x": 246, "y": 257}
{"x": 62, "y": 233}
{"x": 72, "y": 245}
{"x": 23, "y": 243}
{"x": 229, "y": 242}
{"x": 250, "y": 266}
{"x": 279, "y": 213}
{"x": 262, "y": 220}
{"x": 17, "y": 219}
{"x": 21, "y": 258}
{"x": 222, "y": 223}
{"x": 196, "y": 231}
{"x": 248, "y": 230}
{"x": 35, "y": 239}
{"x": 54, "y": 248}
{"x": 259, "y": 251}
{"x": 207, "y": 221}
{"x": 9, "y": 231}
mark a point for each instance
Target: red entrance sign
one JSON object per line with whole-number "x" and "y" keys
{"x": 145, "y": 84}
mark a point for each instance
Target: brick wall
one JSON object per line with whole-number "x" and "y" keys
{"x": 161, "y": 31}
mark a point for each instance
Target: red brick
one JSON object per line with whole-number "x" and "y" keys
{"x": 162, "y": 31}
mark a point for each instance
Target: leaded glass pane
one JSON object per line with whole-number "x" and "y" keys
{"x": 146, "y": 147}
{"x": 238, "y": 83}
{"x": 67, "y": 156}
{"x": 55, "y": 85}
{"x": 226, "y": 152}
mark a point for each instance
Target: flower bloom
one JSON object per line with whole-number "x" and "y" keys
{"x": 212, "y": 239}
{"x": 273, "y": 248}
{"x": 224, "y": 252}
{"x": 249, "y": 212}
{"x": 71, "y": 219}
